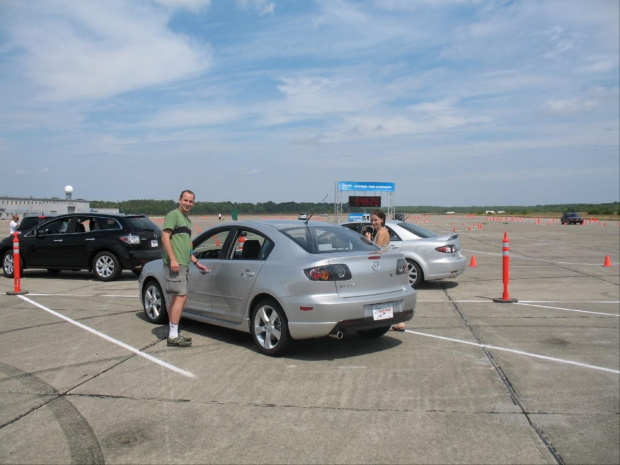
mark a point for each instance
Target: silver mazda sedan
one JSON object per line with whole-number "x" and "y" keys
{"x": 286, "y": 280}
{"x": 429, "y": 256}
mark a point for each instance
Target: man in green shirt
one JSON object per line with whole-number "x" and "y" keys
{"x": 177, "y": 256}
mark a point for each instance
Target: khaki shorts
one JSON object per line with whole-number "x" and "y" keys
{"x": 176, "y": 283}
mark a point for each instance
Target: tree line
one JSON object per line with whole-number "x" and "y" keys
{"x": 161, "y": 207}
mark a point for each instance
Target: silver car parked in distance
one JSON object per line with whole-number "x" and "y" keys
{"x": 429, "y": 256}
{"x": 284, "y": 280}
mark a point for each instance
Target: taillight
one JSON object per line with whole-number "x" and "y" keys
{"x": 131, "y": 239}
{"x": 401, "y": 266}
{"x": 447, "y": 249}
{"x": 328, "y": 273}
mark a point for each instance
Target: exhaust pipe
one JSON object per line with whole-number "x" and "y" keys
{"x": 337, "y": 335}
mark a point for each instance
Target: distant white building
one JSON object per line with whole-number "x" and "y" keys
{"x": 30, "y": 205}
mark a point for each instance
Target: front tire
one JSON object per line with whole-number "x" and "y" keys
{"x": 7, "y": 264}
{"x": 154, "y": 303}
{"x": 416, "y": 276}
{"x": 106, "y": 266}
{"x": 269, "y": 328}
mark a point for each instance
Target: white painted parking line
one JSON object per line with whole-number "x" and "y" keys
{"x": 84, "y": 295}
{"x": 518, "y": 352}
{"x": 567, "y": 309}
{"x": 110, "y": 339}
{"x": 490, "y": 301}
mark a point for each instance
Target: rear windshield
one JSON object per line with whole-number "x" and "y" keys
{"x": 141, "y": 223}
{"x": 324, "y": 239}
{"x": 417, "y": 230}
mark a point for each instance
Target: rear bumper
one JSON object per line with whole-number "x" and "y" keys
{"x": 446, "y": 268}
{"x": 350, "y": 326}
{"x": 331, "y": 313}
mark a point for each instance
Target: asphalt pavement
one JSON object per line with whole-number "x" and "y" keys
{"x": 84, "y": 378}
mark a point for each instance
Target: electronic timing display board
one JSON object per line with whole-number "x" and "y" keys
{"x": 364, "y": 201}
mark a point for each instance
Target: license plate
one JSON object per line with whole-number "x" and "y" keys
{"x": 154, "y": 243}
{"x": 381, "y": 312}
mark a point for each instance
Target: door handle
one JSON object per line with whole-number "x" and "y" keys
{"x": 57, "y": 240}
{"x": 90, "y": 239}
{"x": 248, "y": 273}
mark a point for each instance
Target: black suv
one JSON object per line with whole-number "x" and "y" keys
{"x": 571, "y": 218}
{"x": 105, "y": 244}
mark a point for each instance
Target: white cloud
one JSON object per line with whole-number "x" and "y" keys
{"x": 192, "y": 5}
{"x": 570, "y": 106}
{"x": 99, "y": 49}
{"x": 194, "y": 115}
{"x": 264, "y": 7}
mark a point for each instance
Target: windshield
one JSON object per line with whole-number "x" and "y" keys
{"x": 325, "y": 239}
{"x": 417, "y": 230}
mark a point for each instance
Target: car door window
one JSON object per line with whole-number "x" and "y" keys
{"x": 85, "y": 224}
{"x": 393, "y": 236}
{"x": 251, "y": 246}
{"x": 211, "y": 246}
{"x": 59, "y": 226}
{"x": 107, "y": 223}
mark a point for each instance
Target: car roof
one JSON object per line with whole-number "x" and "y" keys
{"x": 276, "y": 224}
{"x": 103, "y": 215}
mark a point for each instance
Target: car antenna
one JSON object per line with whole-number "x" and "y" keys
{"x": 310, "y": 216}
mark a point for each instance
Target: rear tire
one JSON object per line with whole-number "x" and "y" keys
{"x": 154, "y": 303}
{"x": 106, "y": 266}
{"x": 415, "y": 274}
{"x": 269, "y": 328}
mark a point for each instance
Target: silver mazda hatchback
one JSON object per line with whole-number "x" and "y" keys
{"x": 287, "y": 280}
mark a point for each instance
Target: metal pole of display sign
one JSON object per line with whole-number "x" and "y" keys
{"x": 17, "y": 288}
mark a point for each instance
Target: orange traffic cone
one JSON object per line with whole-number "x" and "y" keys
{"x": 607, "y": 261}
{"x": 473, "y": 263}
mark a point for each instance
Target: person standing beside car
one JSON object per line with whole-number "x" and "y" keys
{"x": 382, "y": 235}
{"x": 177, "y": 257}
{"x": 382, "y": 239}
{"x": 14, "y": 223}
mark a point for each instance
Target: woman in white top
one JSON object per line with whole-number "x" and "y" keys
{"x": 14, "y": 224}
{"x": 382, "y": 236}
{"x": 382, "y": 239}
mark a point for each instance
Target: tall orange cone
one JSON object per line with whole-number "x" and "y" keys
{"x": 607, "y": 261}
{"x": 473, "y": 263}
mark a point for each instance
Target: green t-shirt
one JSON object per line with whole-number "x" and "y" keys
{"x": 181, "y": 227}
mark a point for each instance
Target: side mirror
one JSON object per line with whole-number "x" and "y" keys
{"x": 41, "y": 232}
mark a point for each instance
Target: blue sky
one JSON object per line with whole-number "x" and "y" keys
{"x": 457, "y": 102}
